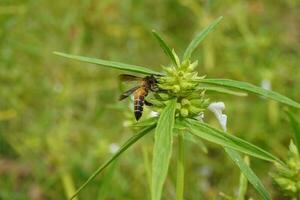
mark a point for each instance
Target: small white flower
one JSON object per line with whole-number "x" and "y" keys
{"x": 217, "y": 108}
{"x": 266, "y": 84}
{"x": 154, "y": 114}
{"x": 113, "y": 148}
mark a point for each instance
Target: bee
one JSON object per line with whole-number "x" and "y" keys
{"x": 146, "y": 84}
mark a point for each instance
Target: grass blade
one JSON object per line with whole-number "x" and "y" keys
{"x": 296, "y": 128}
{"x": 162, "y": 150}
{"x": 252, "y": 88}
{"x": 110, "y": 64}
{"x": 123, "y": 148}
{"x": 164, "y": 46}
{"x": 198, "y": 38}
{"x": 211, "y": 134}
{"x": 248, "y": 173}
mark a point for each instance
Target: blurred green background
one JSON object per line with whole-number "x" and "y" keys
{"x": 60, "y": 119}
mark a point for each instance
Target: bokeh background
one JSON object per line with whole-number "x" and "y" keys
{"x": 60, "y": 119}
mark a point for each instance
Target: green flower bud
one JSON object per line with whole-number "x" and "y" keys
{"x": 196, "y": 95}
{"x": 167, "y": 79}
{"x": 165, "y": 86}
{"x": 186, "y": 85}
{"x": 195, "y": 110}
{"x": 192, "y": 66}
{"x": 286, "y": 184}
{"x": 191, "y": 75}
{"x": 197, "y": 102}
{"x": 293, "y": 149}
{"x": 185, "y": 64}
{"x": 180, "y": 73}
{"x": 184, "y": 112}
{"x": 287, "y": 176}
{"x": 169, "y": 70}
{"x": 178, "y": 106}
{"x": 185, "y": 102}
{"x": 176, "y": 88}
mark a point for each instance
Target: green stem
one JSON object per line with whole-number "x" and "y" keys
{"x": 180, "y": 167}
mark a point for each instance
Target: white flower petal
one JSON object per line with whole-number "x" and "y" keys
{"x": 266, "y": 84}
{"x": 113, "y": 148}
{"x": 154, "y": 114}
{"x": 217, "y": 108}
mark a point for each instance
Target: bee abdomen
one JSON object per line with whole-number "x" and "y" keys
{"x": 138, "y": 107}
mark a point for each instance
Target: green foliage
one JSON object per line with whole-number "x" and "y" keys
{"x": 162, "y": 149}
{"x": 249, "y": 174}
{"x": 213, "y": 135}
{"x": 296, "y": 128}
{"x": 59, "y": 119}
{"x": 287, "y": 177}
{"x": 222, "y": 90}
{"x": 110, "y": 64}
{"x": 164, "y": 46}
{"x": 123, "y": 148}
{"x": 178, "y": 97}
{"x": 252, "y": 88}
{"x": 198, "y": 39}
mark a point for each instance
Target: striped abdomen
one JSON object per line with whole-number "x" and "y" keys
{"x": 139, "y": 100}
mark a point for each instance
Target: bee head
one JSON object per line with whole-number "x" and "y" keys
{"x": 152, "y": 81}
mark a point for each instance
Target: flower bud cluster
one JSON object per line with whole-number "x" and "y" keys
{"x": 181, "y": 81}
{"x": 287, "y": 178}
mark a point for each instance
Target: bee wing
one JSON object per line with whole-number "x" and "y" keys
{"x": 128, "y": 77}
{"x": 128, "y": 93}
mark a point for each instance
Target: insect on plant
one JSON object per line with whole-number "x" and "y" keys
{"x": 180, "y": 99}
{"x": 139, "y": 92}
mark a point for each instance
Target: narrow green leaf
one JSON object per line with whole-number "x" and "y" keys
{"x": 248, "y": 173}
{"x": 164, "y": 46}
{"x": 243, "y": 183}
{"x": 296, "y": 128}
{"x": 123, "y": 148}
{"x": 110, "y": 64}
{"x": 222, "y": 90}
{"x": 252, "y": 88}
{"x": 180, "y": 167}
{"x": 162, "y": 150}
{"x": 198, "y": 38}
{"x": 106, "y": 182}
{"x": 211, "y": 134}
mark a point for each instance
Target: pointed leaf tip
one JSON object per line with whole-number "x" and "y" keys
{"x": 199, "y": 38}
{"x": 164, "y": 46}
{"x": 110, "y": 64}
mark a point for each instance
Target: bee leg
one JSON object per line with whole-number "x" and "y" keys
{"x": 148, "y": 103}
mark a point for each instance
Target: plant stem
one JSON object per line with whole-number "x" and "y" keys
{"x": 180, "y": 167}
